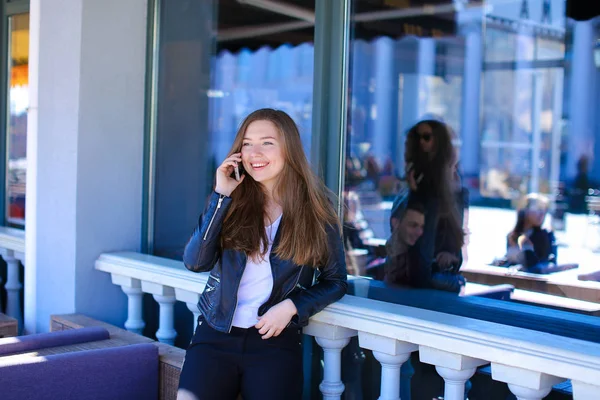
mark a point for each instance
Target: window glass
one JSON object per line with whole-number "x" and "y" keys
{"x": 219, "y": 61}
{"x": 18, "y": 102}
{"x": 514, "y": 87}
{"x": 515, "y": 84}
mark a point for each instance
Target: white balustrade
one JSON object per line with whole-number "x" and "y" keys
{"x": 12, "y": 248}
{"x": 530, "y": 362}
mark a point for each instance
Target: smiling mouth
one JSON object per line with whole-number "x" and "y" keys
{"x": 259, "y": 166}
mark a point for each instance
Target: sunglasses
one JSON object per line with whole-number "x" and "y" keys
{"x": 426, "y": 137}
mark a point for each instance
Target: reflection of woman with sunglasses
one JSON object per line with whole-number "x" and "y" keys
{"x": 431, "y": 170}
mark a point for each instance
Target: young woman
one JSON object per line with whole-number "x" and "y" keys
{"x": 528, "y": 244}
{"x": 431, "y": 167}
{"x": 261, "y": 238}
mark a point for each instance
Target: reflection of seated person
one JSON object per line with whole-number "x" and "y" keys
{"x": 355, "y": 231}
{"x": 404, "y": 264}
{"x": 529, "y": 246}
{"x": 356, "y": 227}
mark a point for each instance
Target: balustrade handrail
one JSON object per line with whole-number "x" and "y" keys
{"x": 12, "y": 239}
{"x": 153, "y": 269}
{"x": 491, "y": 342}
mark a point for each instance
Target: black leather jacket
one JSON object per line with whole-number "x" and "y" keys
{"x": 218, "y": 301}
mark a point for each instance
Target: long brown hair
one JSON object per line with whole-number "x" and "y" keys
{"x": 306, "y": 202}
{"x": 440, "y": 175}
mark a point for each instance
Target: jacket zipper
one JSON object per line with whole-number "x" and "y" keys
{"x": 221, "y": 197}
{"x": 297, "y": 284}
{"x": 292, "y": 289}
{"x": 236, "y": 300}
{"x": 232, "y": 315}
{"x": 234, "y": 308}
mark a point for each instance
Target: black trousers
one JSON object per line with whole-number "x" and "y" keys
{"x": 221, "y": 366}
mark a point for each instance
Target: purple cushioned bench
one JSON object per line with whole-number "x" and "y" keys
{"x": 126, "y": 372}
{"x": 21, "y": 344}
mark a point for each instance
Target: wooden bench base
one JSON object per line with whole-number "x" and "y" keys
{"x": 9, "y": 326}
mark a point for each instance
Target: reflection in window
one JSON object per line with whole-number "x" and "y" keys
{"x": 518, "y": 91}
{"x": 218, "y": 61}
{"x": 518, "y": 86}
{"x": 18, "y": 100}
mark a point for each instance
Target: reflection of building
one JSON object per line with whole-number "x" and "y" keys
{"x": 503, "y": 84}
{"x": 505, "y": 87}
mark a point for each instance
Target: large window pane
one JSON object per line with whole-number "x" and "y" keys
{"x": 18, "y": 101}
{"x": 518, "y": 86}
{"x": 218, "y": 61}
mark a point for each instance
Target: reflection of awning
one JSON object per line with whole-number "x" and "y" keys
{"x": 524, "y": 26}
{"x": 19, "y": 75}
{"x": 583, "y": 10}
{"x": 292, "y": 21}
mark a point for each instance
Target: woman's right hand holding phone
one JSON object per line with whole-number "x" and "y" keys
{"x": 225, "y": 183}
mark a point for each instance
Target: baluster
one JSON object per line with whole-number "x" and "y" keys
{"x": 165, "y": 297}
{"x": 13, "y": 287}
{"x": 191, "y": 300}
{"x": 193, "y": 307}
{"x": 133, "y": 289}
{"x": 332, "y": 386}
{"x": 166, "y": 332}
{"x": 390, "y": 374}
{"x": 585, "y": 391}
{"x": 456, "y": 369}
{"x": 332, "y": 339}
{"x": 391, "y": 354}
{"x": 525, "y": 384}
{"x": 135, "y": 321}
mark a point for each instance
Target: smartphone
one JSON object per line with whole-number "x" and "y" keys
{"x": 238, "y": 170}
{"x": 417, "y": 174}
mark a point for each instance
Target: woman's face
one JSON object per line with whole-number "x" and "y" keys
{"x": 426, "y": 139}
{"x": 536, "y": 215}
{"x": 262, "y": 153}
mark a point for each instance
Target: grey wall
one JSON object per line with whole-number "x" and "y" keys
{"x": 85, "y": 154}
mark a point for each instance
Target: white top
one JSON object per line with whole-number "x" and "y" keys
{"x": 256, "y": 285}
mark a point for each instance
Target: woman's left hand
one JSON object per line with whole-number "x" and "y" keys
{"x": 525, "y": 243}
{"x": 446, "y": 260}
{"x": 276, "y": 319}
